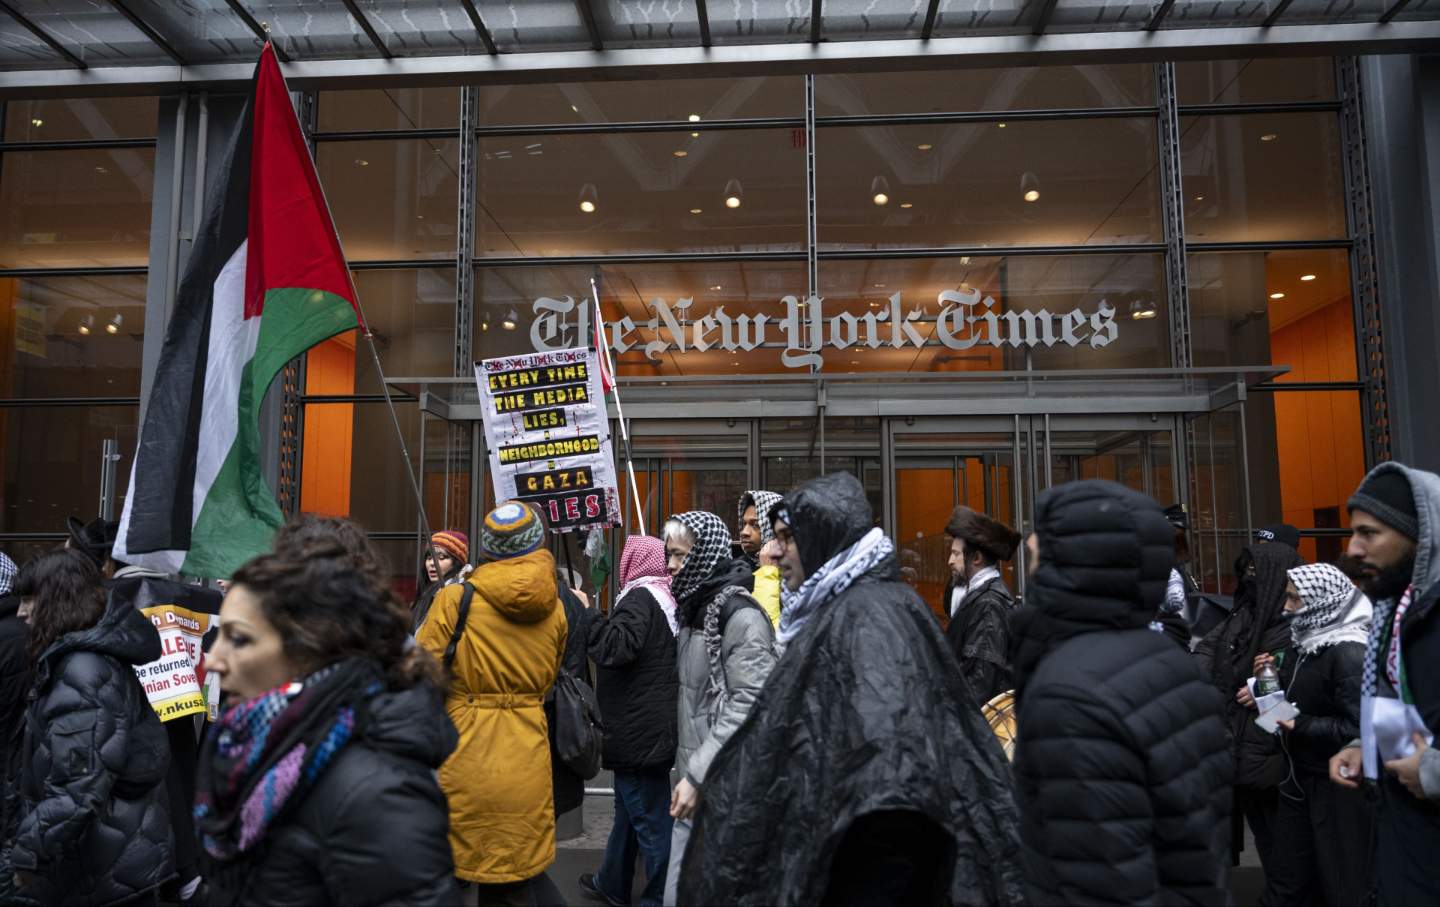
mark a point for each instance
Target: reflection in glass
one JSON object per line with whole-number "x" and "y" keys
{"x": 1262, "y": 177}
{"x": 76, "y": 209}
{"x": 652, "y": 192}
{"x": 1075, "y": 182}
{"x": 85, "y": 119}
{"x": 389, "y": 108}
{"x": 393, "y": 199}
{"x": 1014, "y": 88}
{"x": 647, "y": 101}
{"x": 50, "y": 457}
{"x": 1259, "y": 308}
{"x": 1255, "y": 81}
{"x": 71, "y": 336}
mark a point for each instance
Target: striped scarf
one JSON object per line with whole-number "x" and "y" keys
{"x": 265, "y": 754}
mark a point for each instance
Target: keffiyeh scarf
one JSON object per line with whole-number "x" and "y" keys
{"x": 712, "y": 545}
{"x": 265, "y": 754}
{"x": 833, "y": 577}
{"x": 764, "y": 500}
{"x": 1334, "y": 611}
{"x": 642, "y": 566}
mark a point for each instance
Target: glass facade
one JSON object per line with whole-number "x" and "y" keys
{"x": 76, "y": 181}
{"x": 893, "y": 227}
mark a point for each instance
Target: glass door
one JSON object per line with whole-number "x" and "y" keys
{"x": 939, "y": 464}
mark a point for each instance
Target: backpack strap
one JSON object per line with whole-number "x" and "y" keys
{"x": 467, "y": 593}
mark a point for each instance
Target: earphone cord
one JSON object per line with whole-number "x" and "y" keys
{"x": 1291, "y": 777}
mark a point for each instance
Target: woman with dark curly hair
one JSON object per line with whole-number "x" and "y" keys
{"x": 317, "y": 784}
{"x": 94, "y": 827}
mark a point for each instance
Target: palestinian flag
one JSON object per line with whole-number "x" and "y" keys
{"x": 266, "y": 281}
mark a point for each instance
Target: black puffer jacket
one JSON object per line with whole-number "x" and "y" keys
{"x": 634, "y": 654}
{"x": 865, "y": 727}
{"x": 1227, "y": 656}
{"x": 1325, "y": 686}
{"x": 95, "y": 826}
{"x": 373, "y": 832}
{"x": 1121, "y": 762}
{"x": 979, "y": 635}
{"x": 14, "y": 684}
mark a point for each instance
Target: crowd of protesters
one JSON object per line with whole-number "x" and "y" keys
{"x": 786, "y": 720}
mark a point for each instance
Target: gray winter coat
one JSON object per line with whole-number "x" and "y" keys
{"x": 747, "y": 647}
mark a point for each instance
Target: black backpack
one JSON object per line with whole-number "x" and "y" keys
{"x": 579, "y": 732}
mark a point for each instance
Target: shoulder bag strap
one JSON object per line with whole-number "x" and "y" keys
{"x": 460, "y": 618}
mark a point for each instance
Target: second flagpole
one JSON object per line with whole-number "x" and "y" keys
{"x": 604, "y": 344}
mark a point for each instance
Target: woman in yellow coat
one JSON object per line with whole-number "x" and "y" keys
{"x": 502, "y": 821}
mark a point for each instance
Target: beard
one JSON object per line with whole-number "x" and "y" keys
{"x": 1386, "y": 582}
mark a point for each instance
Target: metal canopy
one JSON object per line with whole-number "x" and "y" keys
{"x": 125, "y": 44}
{"x": 1196, "y": 390}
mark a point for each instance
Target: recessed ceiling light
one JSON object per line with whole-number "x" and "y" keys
{"x": 1277, "y": 295}
{"x": 906, "y": 205}
{"x": 694, "y": 135}
{"x": 716, "y": 287}
{"x": 924, "y": 146}
{"x": 1199, "y": 198}
{"x": 735, "y": 363}
{"x": 102, "y": 170}
{"x": 574, "y": 108}
{"x": 1001, "y": 125}
{"x": 36, "y": 122}
{"x": 696, "y": 210}
{"x": 874, "y": 305}
{"x": 854, "y": 361}
{"x": 1307, "y": 277}
{"x": 1032, "y": 195}
{"x": 694, "y": 117}
{"x": 679, "y": 152}
{"x": 878, "y": 286}
{"x": 1269, "y": 137}
{"x": 361, "y": 162}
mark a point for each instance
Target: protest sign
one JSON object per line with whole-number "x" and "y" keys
{"x": 182, "y": 615}
{"x": 549, "y": 438}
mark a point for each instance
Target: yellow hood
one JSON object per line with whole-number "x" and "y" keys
{"x": 521, "y": 588}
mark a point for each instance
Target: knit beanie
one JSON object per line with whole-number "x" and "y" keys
{"x": 454, "y": 542}
{"x": 1386, "y": 495}
{"x": 510, "y": 530}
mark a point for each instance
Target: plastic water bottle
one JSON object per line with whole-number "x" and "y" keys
{"x": 1267, "y": 681}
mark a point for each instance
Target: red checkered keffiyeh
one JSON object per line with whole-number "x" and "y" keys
{"x": 642, "y": 563}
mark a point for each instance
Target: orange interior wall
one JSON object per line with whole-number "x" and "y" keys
{"x": 329, "y": 428}
{"x": 1317, "y": 433}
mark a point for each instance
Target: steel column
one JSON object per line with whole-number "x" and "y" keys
{"x": 1364, "y": 267}
{"x": 465, "y": 233}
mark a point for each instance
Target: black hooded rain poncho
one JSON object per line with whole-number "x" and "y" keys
{"x": 864, "y": 730}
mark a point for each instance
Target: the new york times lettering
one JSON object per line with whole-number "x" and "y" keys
{"x": 549, "y": 450}
{"x": 541, "y": 398}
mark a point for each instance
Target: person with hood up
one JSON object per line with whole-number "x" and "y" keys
{"x": 725, "y": 650}
{"x": 1120, "y": 761}
{"x": 978, "y": 601}
{"x": 634, "y": 654}
{"x": 1229, "y": 655}
{"x": 757, "y": 547}
{"x": 452, "y": 547}
{"x": 506, "y": 656}
{"x": 94, "y": 827}
{"x": 865, "y": 774}
{"x": 1395, "y": 545}
{"x": 1321, "y": 853}
{"x": 317, "y": 782}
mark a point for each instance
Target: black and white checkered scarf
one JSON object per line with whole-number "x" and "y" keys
{"x": 1333, "y": 610}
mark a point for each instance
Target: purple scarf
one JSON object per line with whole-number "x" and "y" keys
{"x": 265, "y": 754}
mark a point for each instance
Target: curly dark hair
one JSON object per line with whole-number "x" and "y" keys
{"x": 307, "y": 530}
{"x": 67, "y": 596}
{"x": 326, "y": 609}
